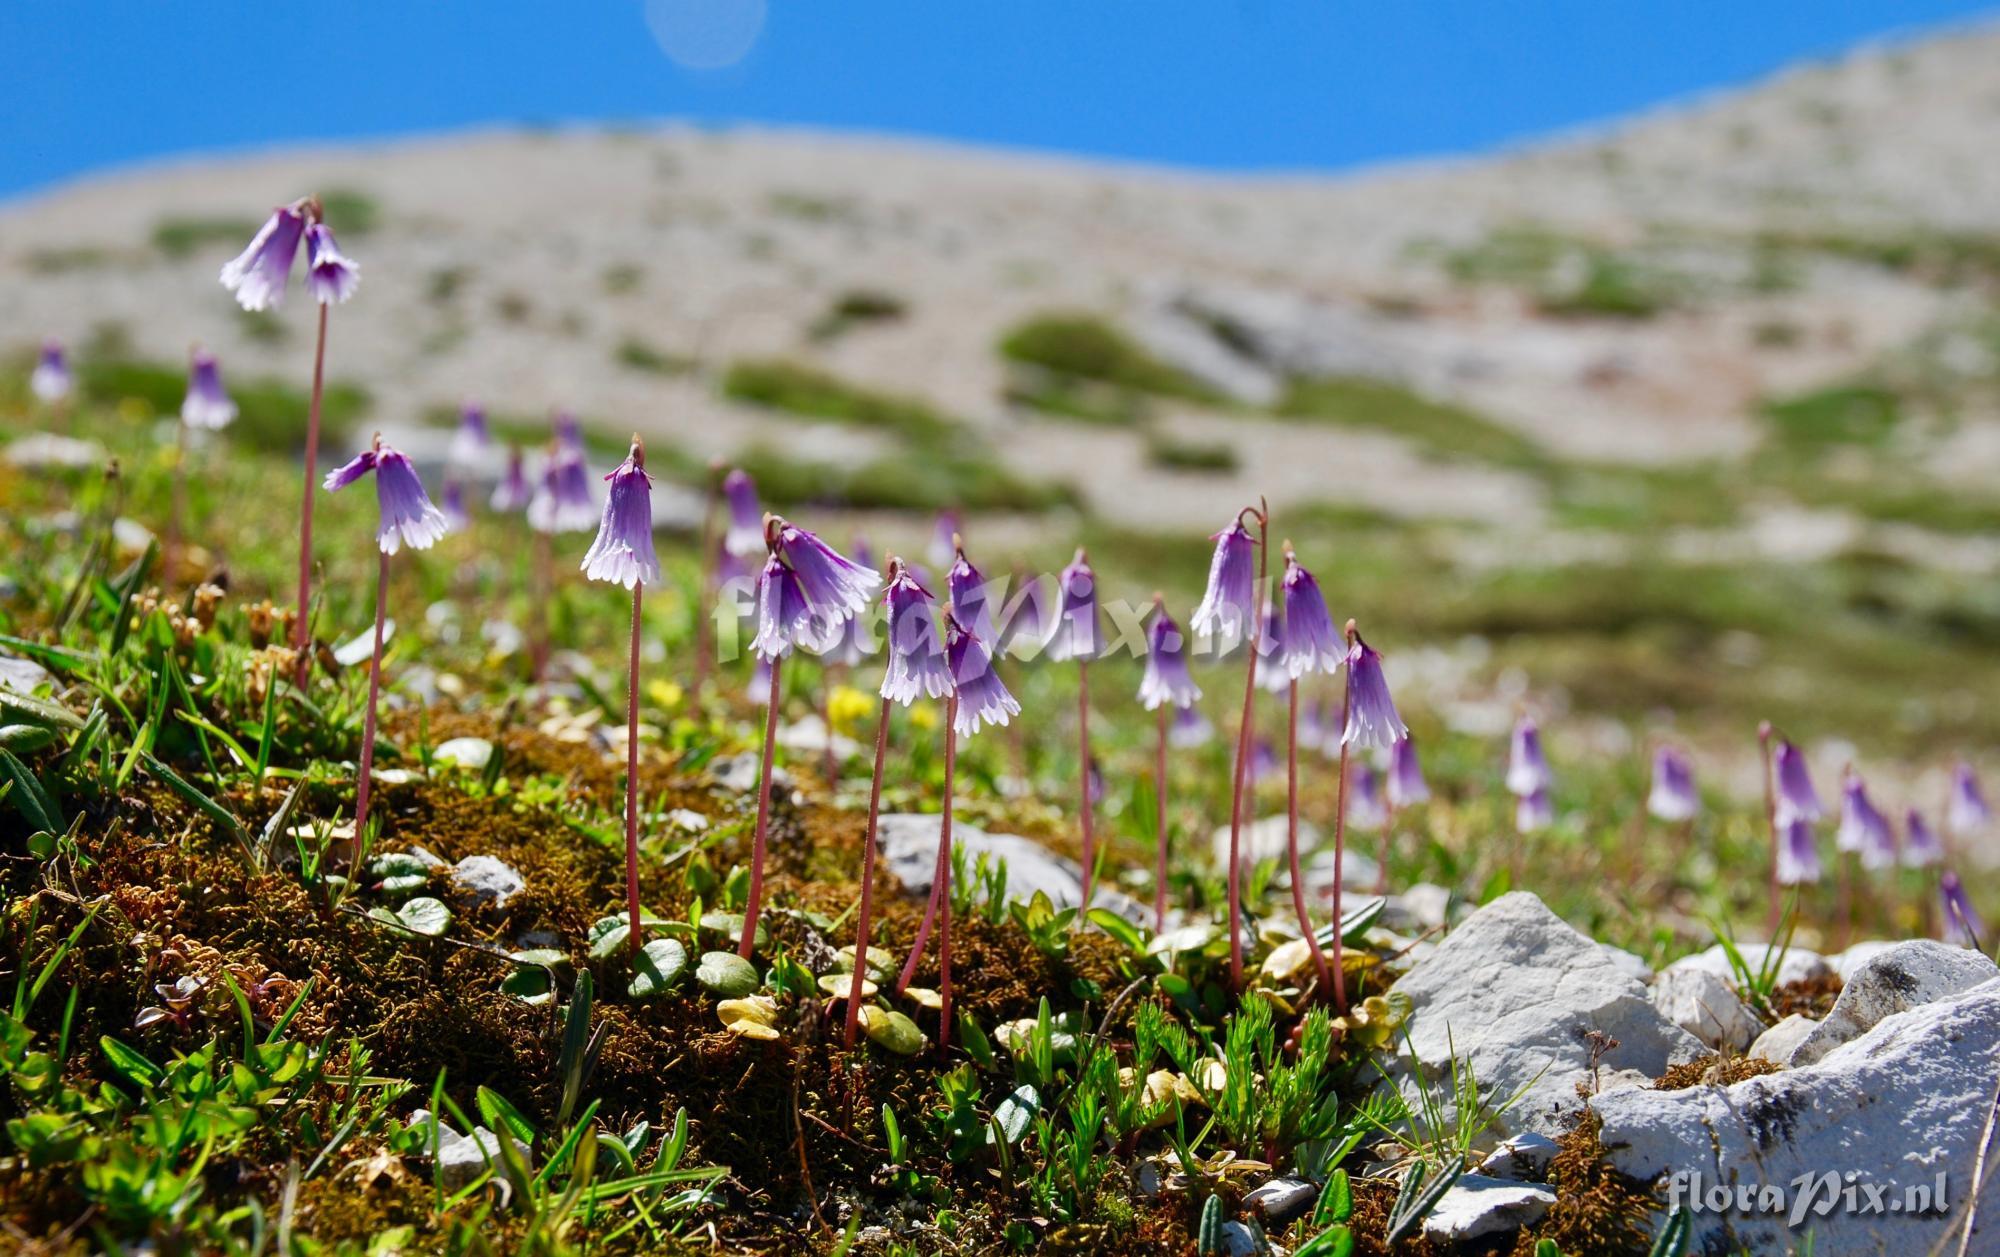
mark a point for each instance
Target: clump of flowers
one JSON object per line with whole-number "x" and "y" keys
{"x": 1075, "y": 636}
{"x": 258, "y": 278}
{"x": 1230, "y": 606}
{"x": 1369, "y": 719}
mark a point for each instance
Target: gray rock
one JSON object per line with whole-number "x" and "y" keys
{"x": 738, "y": 773}
{"x": 1854, "y": 957}
{"x": 1521, "y": 1158}
{"x": 1514, "y": 992}
{"x": 1282, "y": 1199}
{"x": 1795, "y": 964}
{"x": 1238, "y": 1240}
{"x": 909, "y": 842}
{"x": 1899, "y": 1106}
{"x": 1477, "y": 1205}
{"x": 462, "y": 1158}
{"x": 487, "y": 879}
{"x": 1894, "y": 981}
{"x": 1707, "y": 1007}
{"x": 1626, "y": 962}
{"x": 1424, "y": 904}
{"x": 808, "y": 736}
{"x": 1778, "y": 1043}
{"x": 468, "y": 753}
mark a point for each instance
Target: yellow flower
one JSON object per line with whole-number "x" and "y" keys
{"x": 924, "y": 715}
{"x": 847, "y": 708}
{"x": 664, "y": 695}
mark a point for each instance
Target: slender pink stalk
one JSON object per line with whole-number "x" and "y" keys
{"x": 362, "y": 788}
{"x": 1160, "y": 824}
{"x": 924, "y": 927}
{"x": 632, "y": 782}
{"x": 755, "y": 904}
{"x": 1292, "y": 840}
{"x": 855, "y": 984}
{"x": 1243, "y": 741}
{"x": 301, "y": 632}
{"x": 1083, "y": 753}
{"x": 1340, "y": 840}
{"x": 938, "y": 911}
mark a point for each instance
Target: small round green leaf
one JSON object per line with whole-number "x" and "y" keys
{"x": 661, "y": 963}
{"x": 726, "y": 974}
{"x": 425, "y": 916}
{"x": 892, "y": 1030}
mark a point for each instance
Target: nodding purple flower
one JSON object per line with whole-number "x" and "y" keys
{"x": 944, "y": 539}
{"x": 569, "y": 431}
{"x": 746, "y": 518}
{"x": 331, "y": 276}
{"x": 562, "y": 501}
{"x": 1967, "y": 812}
{"x": 966, "y": 587}
{"x": 1673, "y": 796}
{"x": 1527, "y": 767}
{"x": 1798, "y": 853}
{"x": 1371, "y": 713}
{"x": 1078, "y": 631}
{"x": 982, "y": 697}
{"x": 1406, "y": 775}
{"x": 207, "y": 404}
{"x": 1921, "y": 846}
{"x": 1961, "y": 923}
{"x": 1796, "y": 797}
{"x": 1190, "y": 728}
{"x": 784, "y": 617}
{"x": 1863, "y": 828}
{"x": 50, "y": 382}
{"x": 258, "y": 275}
{"x": 835, "y": 587}
{"x": 1365, "y": 809}
{"x": 1166, "y": 679}
{"x": 472, "y": 439}
{"x": 623, "y": 552}
{"x": 1271, "y": 673}
{"x": 513, "y": 492}
{"x": 1312, "y": 643}
{"x": 916, "y": 656}
{"x": 1534, "y": 811}
{"x": 1232, "y": 584}
{"x": 453, "y": 505}
{"x": 408, "y": 516}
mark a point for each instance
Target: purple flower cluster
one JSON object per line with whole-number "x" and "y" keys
{"x": 259, "y": 275}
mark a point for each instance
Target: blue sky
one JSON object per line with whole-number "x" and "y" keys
{"x": 1233, "y": 84}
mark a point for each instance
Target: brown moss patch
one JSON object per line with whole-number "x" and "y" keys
{"x": 1598, "y": 1211}
{"x": 1714, "y": 1070}
{"x": 1808, "y": 997}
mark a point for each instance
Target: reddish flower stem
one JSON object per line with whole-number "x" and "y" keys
{"x": 1083, "y": 774}
{"x": 1292, "y": 840}
{"x": 632, "y": 782}
{"x": 944, "y": 877}
{"x": 1340, "y": 845}
{"x": 1243, "y": 738}
{"x": 301, "y": 632}
{"x": 755, "y": 903}
{"x": 854, "y": 986}
{"x": 1160, "y": 823}
{"x": 362, "y": 787}
{"x": 937, "y": 906}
